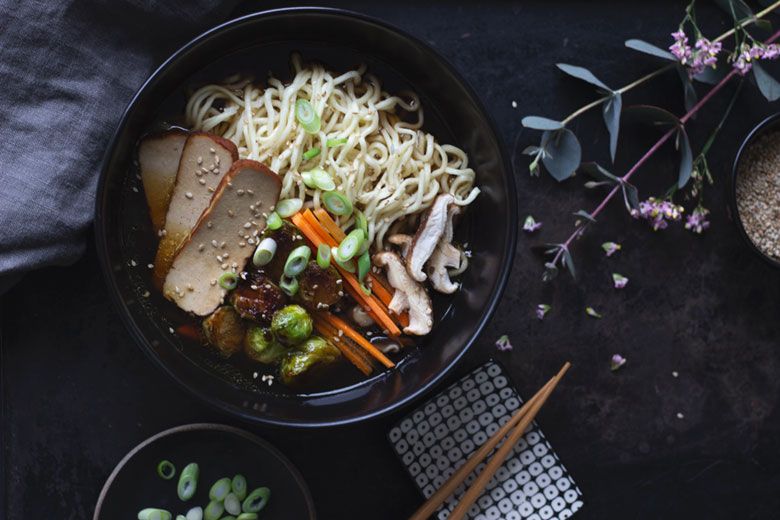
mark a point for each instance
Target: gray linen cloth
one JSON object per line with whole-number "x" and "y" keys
{"x": 68, "y": 68}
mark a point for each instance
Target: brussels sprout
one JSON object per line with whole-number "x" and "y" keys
{"x": 224, "y": 330}
{"x": 291, "y": 325}
{"x": 320, "y": 286}
{"x": 261, "y": 346}
{"x": 257, "y": 298}
{"x": 307, "y": 359}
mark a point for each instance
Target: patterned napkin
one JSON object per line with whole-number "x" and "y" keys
{"x": 437, "y": 438}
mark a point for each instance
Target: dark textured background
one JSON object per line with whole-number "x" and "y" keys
{"x": 78, "y": 394}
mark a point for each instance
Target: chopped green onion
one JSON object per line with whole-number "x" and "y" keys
{"x": 247, "y": 516}
{"x": 319, "y": 179}
{"x": 365, "y": 289}
{"x": 364, "y": 265}
{"x": 265, "y": 252}
{"x": 348, "y": 266}
{"x": 274, "y": 221}
{"x": 196, "y": 513}
{"x": 228, "y": 280}
{"x": 361, "y": 222}
{"x": 220, "y": 489}
{"x": 257, "y": 500}
{"x": 323, "y": 256}
{"x": 364, "y": 247}
{"x": 311, "y": 153}
{"x": 181, "y": 517}
{"x": 166, "y": 469}
{"x": 307, "y": 116}
{"x": 188, "y": 481}
{"x": 289, "y": 285}
{"x": 238, "y": 486}
{"x": 228, "y": 518}
{"x": 331, "y": 143}
{"x": 351, "y": 244}
{"x": 297, "y": 261}
{"x": 151, "y": 513}
{"x": 232, "y": 504}
{"x": 288, "y": 207}
{"x": 308, "y": 179}
{"x": 213, "y": 511}
{"x": 337, "y": 203}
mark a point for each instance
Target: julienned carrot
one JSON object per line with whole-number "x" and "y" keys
{"x": 340, "y": 324}
{"x": 382, "y": 293}
{"x": 310, "y": 226}
{"x": 352, "y": 353}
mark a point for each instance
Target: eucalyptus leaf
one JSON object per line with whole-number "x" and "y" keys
{"x": 686, "y": 158}
{"x": 712, "y": 76}
{"x": 630, "y": 196}
{"x": 649, "y": 48}
{"x": 597, "y": 172}
{"x": 768, "y": 85}
{"x": 584, "y": 214}
{"x": 738, "y": 9}
{"x": 654, "y": 114}
{"x": 583, "y": 74}
{"x": 562, "y": 153}
{"x": 612, "y": 109}
{"x": 688, "y": 90}
{"x": 763, "y": 24}
{"x": 568, "y": 262}
{"x": 541, "y": 123}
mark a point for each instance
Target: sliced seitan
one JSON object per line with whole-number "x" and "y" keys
{"x": 158, "y": 161}
{"x": 205, "y": 160}
{"x": 224, "y": 237}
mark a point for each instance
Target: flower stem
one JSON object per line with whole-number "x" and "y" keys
{"x": 649, "y": 153}
{"x": 749, "y": 21}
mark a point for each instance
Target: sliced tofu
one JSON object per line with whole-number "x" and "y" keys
{"x": 205, "y": 160}
{"x": 158, "y": 159}
{"x": 224, "y": 238}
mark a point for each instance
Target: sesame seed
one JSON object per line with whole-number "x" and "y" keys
{"x": 224, "y": 266}
{"x": 222, "y": 245}
{"x": 213, "y": 282}
{"x": 675, "y": 373}
{"x": 216, "y": 159}
{"x": 214, "y": 244}
{"x": 209, "y": 224}
{"x": 251, "y": 241}
{"x": 170, "y": 329}
{"x": 150, "y": 266}
{"x": 226, "y": 255}
{"x": 514, "y": 104}
{"x": 231, "y": 213}
{"x": 253, "y": 287}
{"x": 146, "y": 294}
{"x": 133, "y": 263}
{"x": 211, "y": 189}
{"x": 200, "y": 247}
{"x": 200, "y": 160}
{"x": 241, "y": 244}
{"x": 188, "y": 194}
{"x": 680, "y": 415}
{"x": 212, "y": 150}
{"x": 219, "y": 258}
{"x": 135, "y": 189}
{"x": 202, "y": 182}
{"x": 247, "y": 225}
{"x": 250, "y": 192}
{"x": 239, "y": 192}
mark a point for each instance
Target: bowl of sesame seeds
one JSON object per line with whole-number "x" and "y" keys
{"x": 755, "y": 190}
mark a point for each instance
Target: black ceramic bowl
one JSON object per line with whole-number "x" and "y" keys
{"x": 220, "y": 451}
{"x": 340, "y": 39}
{"x": 770, "y": 124}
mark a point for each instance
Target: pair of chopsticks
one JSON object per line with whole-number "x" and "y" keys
{"x": 513, "y": 430}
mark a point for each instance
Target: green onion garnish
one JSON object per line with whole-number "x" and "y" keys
{"x": 297, "y": 261}
{"x": 348, "y": 266}
{"x": 308, "y": 179}
{"x": 166, "y": 469}
{"x": 288, "y": 207}
{"x": 319, "y": 179}
{"x": 238, "y": 485}
{"x": 306, "y": 116}
{"x": 232, "y": 504}
{"x": 323, "y": 256}
{"x": 337, "y": 203}
{"x": 332, "y": 143}
{"x": 228, "y": 280}
{"x": 274, "y": 221}
{"x": 247, "y": 516}
{"x": 196, "y": 513}
{"x": 220, "y": 489}
{"x": 181, "y": 517}
{"x": 311, "y": 153}
{"x": 257, "y": 500}
{"x": 151, "y": 513}
{"x": 361, "y": 222}
{"x": 364, "y": 265}
{"x": 351, "y": 244}
{"x": 213, "y": 511}
{"x": 265, "y": 252}
{"x": 289, "y": 285}
{"x": 365, "y": 289}
{"x": 188, "y": 481}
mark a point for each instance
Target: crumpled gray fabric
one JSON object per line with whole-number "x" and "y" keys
{"x": 68, "y": 68}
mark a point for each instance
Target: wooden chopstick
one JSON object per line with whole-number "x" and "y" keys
{"x": 521, "y": 419}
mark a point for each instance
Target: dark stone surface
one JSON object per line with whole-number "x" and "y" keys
{"x": 78, "y": 394}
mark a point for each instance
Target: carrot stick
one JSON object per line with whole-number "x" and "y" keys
{"x": 382, "y": 293}
{"x": 355, "y": 356}
{"x": 340, "y": 324}
{"x": 314, "y": 231}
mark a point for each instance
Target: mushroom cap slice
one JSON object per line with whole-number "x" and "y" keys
{"x": 200, "y": 172}
{"x": 445, "y": 255}
{"x": 158, "y": 161}
{"x": 224, "y": 237}
{"x": 402, "y": 241}
{"x": 409, "y": 294}
{"x": 427, "y": 236}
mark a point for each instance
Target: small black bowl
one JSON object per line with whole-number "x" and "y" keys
{"x": 342, "y": 40}
{"x": 770, "y": 124}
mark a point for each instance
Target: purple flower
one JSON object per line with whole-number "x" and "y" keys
{"x": 503, "y": 344}
{"x": 619, "y": 280}
{"x": 680, "y": 48}
{"x": 541, "y": 310}
{"x": 658, "y": 212}
{"x": 530, "y": 225}
{"x": 697, "y": 221}
{"x": 610, "y": 248}
{"x": 616, "y": 362}
{"x": 705, "y": 55}
{"x": 744, "y": 61}
{"x": 771, "y": 52}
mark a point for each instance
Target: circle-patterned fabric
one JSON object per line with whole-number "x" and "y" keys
{"x": 437, "y": 438}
